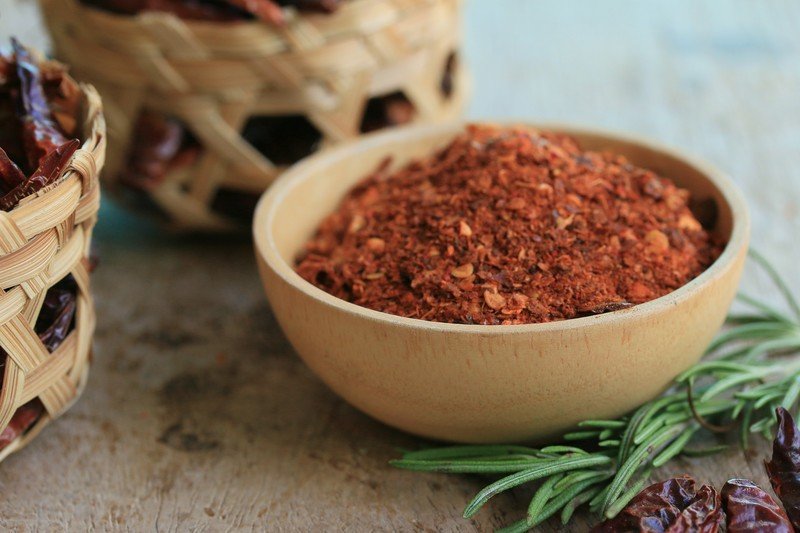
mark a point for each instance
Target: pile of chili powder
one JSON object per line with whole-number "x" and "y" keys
{"x": 508, "y": 226}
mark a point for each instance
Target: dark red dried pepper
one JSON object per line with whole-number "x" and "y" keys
{"x": 748, "y": 508}
{"x": 58, "y": 313}
{"x": 673, "y": 505}
{"x": 38, "y": 144}
{"x": 10, "y": 140}
{"x": 703, "y": 515}
{"x": 50, "y": 168}
{"x": 10, "y": 173}
{"x": 55, "y": 322}
{"x": 217, "y": 10}
{"x": 40, "y": 133}
{"x": 784, "y": 467}
{"x": 185, "y": 9}
{"x": 22, "y": 420}
{"x": 160, "y": 144}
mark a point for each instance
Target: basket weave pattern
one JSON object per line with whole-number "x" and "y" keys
{"x": 214, "y": 76}
{"x": 44, "y": 239}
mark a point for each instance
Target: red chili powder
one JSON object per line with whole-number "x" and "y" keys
{"x": 508, "y": 226}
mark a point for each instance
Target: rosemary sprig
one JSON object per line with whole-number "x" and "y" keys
{"x": 749, "y": 370}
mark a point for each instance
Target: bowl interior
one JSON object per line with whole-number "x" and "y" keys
{"x": 293, "y": 208}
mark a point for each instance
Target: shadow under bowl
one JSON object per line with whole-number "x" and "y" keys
{"x": 472, "y": 383}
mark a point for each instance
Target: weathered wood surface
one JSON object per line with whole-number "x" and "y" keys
{"x": 199, "y": 417}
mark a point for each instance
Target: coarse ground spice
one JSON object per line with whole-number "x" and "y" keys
{"x": 508, "y": 226}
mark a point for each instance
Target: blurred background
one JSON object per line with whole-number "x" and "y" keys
{"x": 190, "y": 352}
{"x": 719, "y": 79}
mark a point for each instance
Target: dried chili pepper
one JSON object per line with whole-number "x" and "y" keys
{"x": 40, "y": 133}
{"x": 38, "y": 143}
{"x": 217, "y": 10}
{"x": 55, "y": 322}
{"x": 784, "y": 467}
{"x": 64, "y": 97}
{"x": 748, "y": 508}
{"x": 160, "y": 144}
{"x": 50, "y": 168}
{"x": 673, "y": 505}
{"x": 10, "y": 139}
{"x": 20, "y": 422}
{"x": 508, "y": 226}
{"x": 57, "y": 314}
{"x": 265, "y": 10}
{"x": 10, "y": 173}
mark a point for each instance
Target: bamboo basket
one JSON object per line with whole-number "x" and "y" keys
{"x": 215, "y": 76}
{"x": 42, "y": 240}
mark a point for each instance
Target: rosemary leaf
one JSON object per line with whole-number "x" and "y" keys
{"x": 628, "y": 495}
{"x": 540, "y": 499}
{"x": 471, "y": 466}
{"x": 604, "y": 424}
{"x": 580, "y": 435}
{"x": 531, "y": 474}
{"x": 563, "y": 449}
{"x": 703, "y": 452}
{"x": 637, "y": 459}
{"x": 462, "y": 452}
{"x": 676, "y": 447}
{"x": 577, "y": 501}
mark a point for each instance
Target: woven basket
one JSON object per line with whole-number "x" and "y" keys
{"x": 44, "y": 239}
{"x": 216, "y": 76}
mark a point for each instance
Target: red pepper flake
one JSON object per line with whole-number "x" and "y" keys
{"x": 509, "y": 226}
{"x": 463, "y": 271}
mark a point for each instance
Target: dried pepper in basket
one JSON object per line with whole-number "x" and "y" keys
{"x": 22, "y": 420}
{"x": 784, "y": 467}
{"x": 38, "y": 106}
{"x": 34, "y": 147}
{"x": 270, "y": 11}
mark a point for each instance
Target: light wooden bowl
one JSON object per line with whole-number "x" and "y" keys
{"x": 473, "y": 383}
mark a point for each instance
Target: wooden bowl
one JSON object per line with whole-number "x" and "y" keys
{"x": 471, "y": 383}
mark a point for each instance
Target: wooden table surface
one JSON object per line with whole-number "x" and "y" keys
{"x": 198, "y": 416}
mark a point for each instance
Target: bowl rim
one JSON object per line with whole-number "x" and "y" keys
{"x": 273, "y": 197}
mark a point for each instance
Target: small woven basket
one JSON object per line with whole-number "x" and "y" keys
{"x": 215, "y": 76}
{"x": 43, "y": 240}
